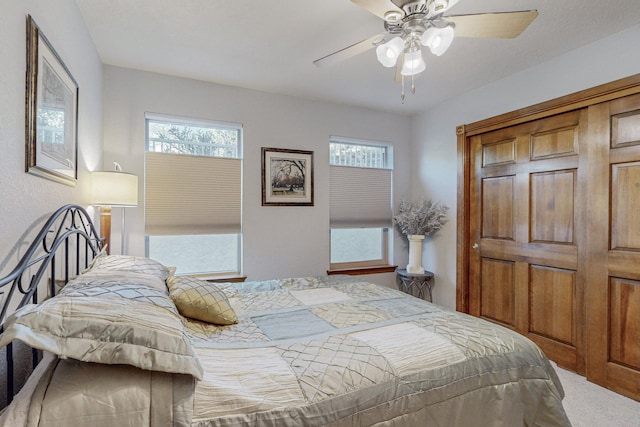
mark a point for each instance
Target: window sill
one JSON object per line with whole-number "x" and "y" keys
{"x": 364, "y": 270}
{"x": 220, "y": 278}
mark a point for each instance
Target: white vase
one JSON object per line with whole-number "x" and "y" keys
{"x": 415, "y": 254}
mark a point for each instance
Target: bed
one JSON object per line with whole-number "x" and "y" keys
{"x": 123, "y": 340}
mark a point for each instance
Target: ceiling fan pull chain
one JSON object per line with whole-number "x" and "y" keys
{"x": 413, "y": 86}
{"x": 402, "y": 93}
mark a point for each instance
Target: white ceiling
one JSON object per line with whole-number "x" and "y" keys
{"x": 270, "y": 45}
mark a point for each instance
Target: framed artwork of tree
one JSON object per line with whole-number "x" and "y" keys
{"x": 287, "y": 177}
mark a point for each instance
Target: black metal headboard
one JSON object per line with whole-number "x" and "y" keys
{"x": 65, "y": 246}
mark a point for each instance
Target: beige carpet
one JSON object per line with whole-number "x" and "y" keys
{"x": 589, "y": 405}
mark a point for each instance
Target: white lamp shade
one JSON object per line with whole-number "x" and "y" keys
{"x": 413, "y": 63}
{"x": 389, "y": 52}
{"x": 114, "y": 189}
{"x": 438, "y": 39}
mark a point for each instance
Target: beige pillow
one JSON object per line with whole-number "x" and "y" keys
{"x": 201, "y": 300}
{"x": 130, "y": 263}
{"x": 110, "y": 321}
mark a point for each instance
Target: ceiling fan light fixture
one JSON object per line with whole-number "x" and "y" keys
{"x": 437, "y": 7}
{"x": 393, "y": 16}
{"x": 413, "y": 63}
{"x": 412, "y": 24}
{"x": 389, "y": 52}
{"x": 437, "y": 39}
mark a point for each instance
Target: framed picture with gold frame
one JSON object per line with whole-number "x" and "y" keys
{"x": 287, "y": 177}
{"x": 51, "y": 112}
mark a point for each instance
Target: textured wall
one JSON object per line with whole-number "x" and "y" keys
{"x": 278, "y": 241}
{"x": 27, "y": 200}
{"x": 434, "y": 150}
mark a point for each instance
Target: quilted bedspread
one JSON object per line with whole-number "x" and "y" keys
{"x": 338, "y": 351}
{"x": 331, "y": 351}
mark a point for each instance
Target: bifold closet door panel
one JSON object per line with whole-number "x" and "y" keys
{"x": 613, "y": 292}
{"x": 527, "y": 192}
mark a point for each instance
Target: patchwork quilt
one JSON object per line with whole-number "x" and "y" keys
{"x": 341, "y": 351}
{"x": 314, "y": 351}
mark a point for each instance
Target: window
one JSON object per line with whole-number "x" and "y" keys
{"x": 193, "y": 194}
{"x": 360, "y": 199}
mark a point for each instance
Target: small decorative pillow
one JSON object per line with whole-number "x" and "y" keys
{"x": 201, "y": 300}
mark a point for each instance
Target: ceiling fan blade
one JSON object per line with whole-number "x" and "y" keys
{"x": 378, "y": 7}
{"x": 349, "y": 51}
{"x": 506, "y": 25}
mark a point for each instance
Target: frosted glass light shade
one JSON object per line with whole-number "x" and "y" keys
{"x": 114, "y": 189}
{"x": 441, "y": 6}
{"x": 438, "y": 40}
{"x": 413, "y": 63}
{"x": 389, "y": 52}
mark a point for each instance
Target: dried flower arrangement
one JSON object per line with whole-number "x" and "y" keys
{"x": 420, "y": 217}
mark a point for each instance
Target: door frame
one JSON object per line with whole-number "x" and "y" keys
{"x": 603, "y": 93}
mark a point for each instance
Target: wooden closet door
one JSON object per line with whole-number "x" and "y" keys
{"x": 526, "y": 225}
{"x": 613, "y": 247}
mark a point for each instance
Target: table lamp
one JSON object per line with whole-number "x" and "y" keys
{"x": 113, "y": 188}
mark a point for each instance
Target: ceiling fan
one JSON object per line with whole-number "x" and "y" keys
{"x": 411, "y": 24}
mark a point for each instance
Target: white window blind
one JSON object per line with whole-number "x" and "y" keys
{"x": 188, "y": 195}
{"x": 360, "y": 197}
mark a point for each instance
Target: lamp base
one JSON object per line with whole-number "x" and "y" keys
{"x": 105, "y": 227}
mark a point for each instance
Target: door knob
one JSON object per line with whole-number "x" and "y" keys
{"x": 474, "y": 246}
